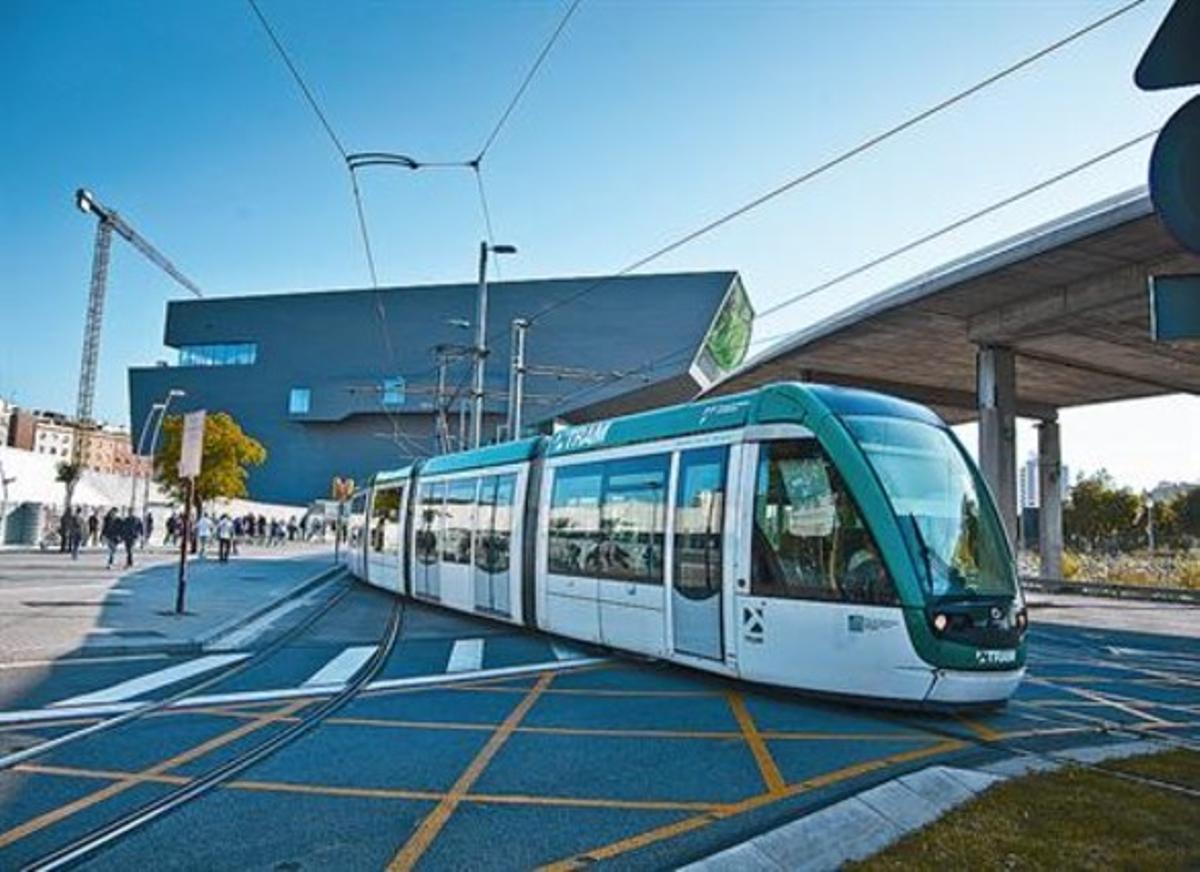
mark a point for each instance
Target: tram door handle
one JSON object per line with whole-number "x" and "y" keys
{"x": 741, "y": 584}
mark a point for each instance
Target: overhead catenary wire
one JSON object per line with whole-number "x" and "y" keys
{"x": 945, "y": 229}
{"x": 844, "y": 156}
{"x": 520, "y": 92}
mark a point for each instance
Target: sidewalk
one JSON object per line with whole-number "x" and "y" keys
{"x": 52, "y": 606}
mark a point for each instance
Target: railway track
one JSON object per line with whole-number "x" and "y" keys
{"x": 149, "y": 708}
{"x": 108, "y": 833}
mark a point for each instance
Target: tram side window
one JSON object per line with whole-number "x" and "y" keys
{"x": 699, "y": 521}
{"x": 385, "y": 519}
{"x": 429, "y": 522}
{"x": 494, "y": 523}
{"x": 633, "y": 520}
{"x": 607, "y": 520}
{"x": 574, "y": 517}
{"x": 809, "y": 540}
{"x": 460, "y": 512}
{"x": 358, "y": 509}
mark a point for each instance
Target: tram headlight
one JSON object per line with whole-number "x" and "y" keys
{"x": 941, "y": 622}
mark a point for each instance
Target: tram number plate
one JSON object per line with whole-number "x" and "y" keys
{"x": 995, "y": 658}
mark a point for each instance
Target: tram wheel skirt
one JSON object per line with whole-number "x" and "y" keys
{"x": 951, "y": 686}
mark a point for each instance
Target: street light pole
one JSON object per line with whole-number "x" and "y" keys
{"x": 481, "y": 350}
{"x": 141, "y": 442}
{"x": 5, "y": 481}
{"x": 162, "y": 416}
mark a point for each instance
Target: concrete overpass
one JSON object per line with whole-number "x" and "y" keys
{"x": 1054, "y": 317}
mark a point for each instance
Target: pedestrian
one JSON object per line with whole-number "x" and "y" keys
{"x": 111, "y": 533}
{"x": 130, "y": 528}
{"x": 204, "y": 531}
{"x": 75, "y": 530}
{"x": 172, "y": 535}
{"x": 224, "y": 538}
{"x": 292, "y": 529}
{"x": 147, "y": 529}
{"x": 93, "y": 529}
{"x": 64, "y": 532}
{"x": 261, "y": 526}
{"x": 239, "y": 529}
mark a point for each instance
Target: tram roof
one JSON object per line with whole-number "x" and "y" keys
{"x": 775, "y": 403}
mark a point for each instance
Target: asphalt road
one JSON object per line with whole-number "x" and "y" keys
{"x": 519, "y": 751}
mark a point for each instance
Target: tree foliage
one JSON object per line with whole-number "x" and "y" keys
{"x": 1099, "y": 516}
{"x": 227, "y": 456}
{"x": 68, "y": 474}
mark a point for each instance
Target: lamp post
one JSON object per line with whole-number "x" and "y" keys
{"x": 163, "y": 406}
{"x": 481, "y": 339}
{"x": 141, "y": 442}
{"x": 5, "y": 481}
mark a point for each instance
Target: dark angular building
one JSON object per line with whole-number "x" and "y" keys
{"x": 344, "y": 382}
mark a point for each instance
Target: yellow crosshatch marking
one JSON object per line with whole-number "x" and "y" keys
{"x": 436, "y": 819}
{"x": 762, "y": 754}
{"x": 66, "y": 810}
{"x": 658, "y": 834}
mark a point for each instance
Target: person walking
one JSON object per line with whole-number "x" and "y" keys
{"x": 111, "y": 533}
{"x": 224, "y": 538}
{"x": 64, "y": 532}
{"x": 147, "y": 529}
{"x": 204, "y": 531}
{"x": 75, "y": 532}
{"x": 130, "y": 528}
{"x": 93, "y": 528}
{"x": 172, "y": 529}
{"x": 261, "y": 526}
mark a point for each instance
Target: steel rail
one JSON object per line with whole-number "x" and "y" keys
{"x": 149, "y": 708}
{"x": 108, "y": 833}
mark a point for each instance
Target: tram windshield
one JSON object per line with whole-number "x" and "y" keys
{"x": 934, "y": 488}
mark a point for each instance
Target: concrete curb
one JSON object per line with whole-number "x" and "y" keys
{"x": 197, "y": 644}
{"x": 868, "y": 822}
{"x": 236, "y": 623}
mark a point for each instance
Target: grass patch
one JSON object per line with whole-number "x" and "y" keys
{"x": 1073, "y": 818}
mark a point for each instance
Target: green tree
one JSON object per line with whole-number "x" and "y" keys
{"x": 227, "y": 456}
{"x": 1100, "y": 515}
{"x": 68, "y": 475}
{"x": 1186, "y": 507}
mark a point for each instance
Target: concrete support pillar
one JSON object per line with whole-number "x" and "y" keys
{"x": 996, "y": 378}
{"x": 1050, "y": 520}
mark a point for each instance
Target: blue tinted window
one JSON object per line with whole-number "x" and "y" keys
{"x": 299, "y": 400}
{"x": 226, "y": 354}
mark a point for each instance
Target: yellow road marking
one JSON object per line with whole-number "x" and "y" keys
{"x": 981, "y": 729}
{"x": 762, "y": 754}
{"x": 678, "y": 828}
{"x": 433, "y": 823}
{"x": 380, "y": 792}
{"x": 68, "y": 809}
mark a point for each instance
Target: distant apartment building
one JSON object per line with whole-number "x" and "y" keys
{"x": 104, "y": 449}
{"x": 1028, "y": 494}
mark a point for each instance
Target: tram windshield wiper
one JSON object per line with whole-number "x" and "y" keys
{"x": 924, "y": 548}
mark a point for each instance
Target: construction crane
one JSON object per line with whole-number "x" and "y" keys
{"x": 107, "y": 222}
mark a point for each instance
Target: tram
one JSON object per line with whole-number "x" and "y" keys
{"x": 818, "y": 538}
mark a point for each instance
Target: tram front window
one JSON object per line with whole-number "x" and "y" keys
{"x": 934, "y": 488}
{"x": 809, "y": 539}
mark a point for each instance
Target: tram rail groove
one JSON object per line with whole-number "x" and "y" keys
{"x": 149, "y": 708}
{"x": 104, "y": 835}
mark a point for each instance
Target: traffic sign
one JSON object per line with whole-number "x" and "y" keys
{"x": 1175, "y": 307}
{"x": 192, "y": 449}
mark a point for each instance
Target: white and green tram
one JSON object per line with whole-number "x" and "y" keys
{"x": 825, "y": 539}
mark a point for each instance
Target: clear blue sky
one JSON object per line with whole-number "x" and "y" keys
{"x": 647, "y": 119}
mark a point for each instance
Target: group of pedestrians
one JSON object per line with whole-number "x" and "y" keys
{"x": 231, "y": 531}
{"x": 113, "y": 529}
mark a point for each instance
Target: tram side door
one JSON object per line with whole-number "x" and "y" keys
{"x": 696, "y": 599}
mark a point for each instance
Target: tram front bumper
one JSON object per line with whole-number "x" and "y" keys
{"x": 953, "y": 686}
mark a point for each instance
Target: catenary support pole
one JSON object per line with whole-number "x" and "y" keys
{"x": 516, "y": 381}
{"x": 480, "y": 350}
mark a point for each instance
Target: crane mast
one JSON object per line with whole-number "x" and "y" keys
{"x": 107, "y": 222}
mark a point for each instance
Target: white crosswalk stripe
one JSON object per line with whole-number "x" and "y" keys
{"x": 153, "y": 681}
{"x": 466, "y": 655}
{"x": 342, "y": 668}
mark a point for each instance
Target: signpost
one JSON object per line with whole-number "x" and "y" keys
{"x": 190, "y": 454}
